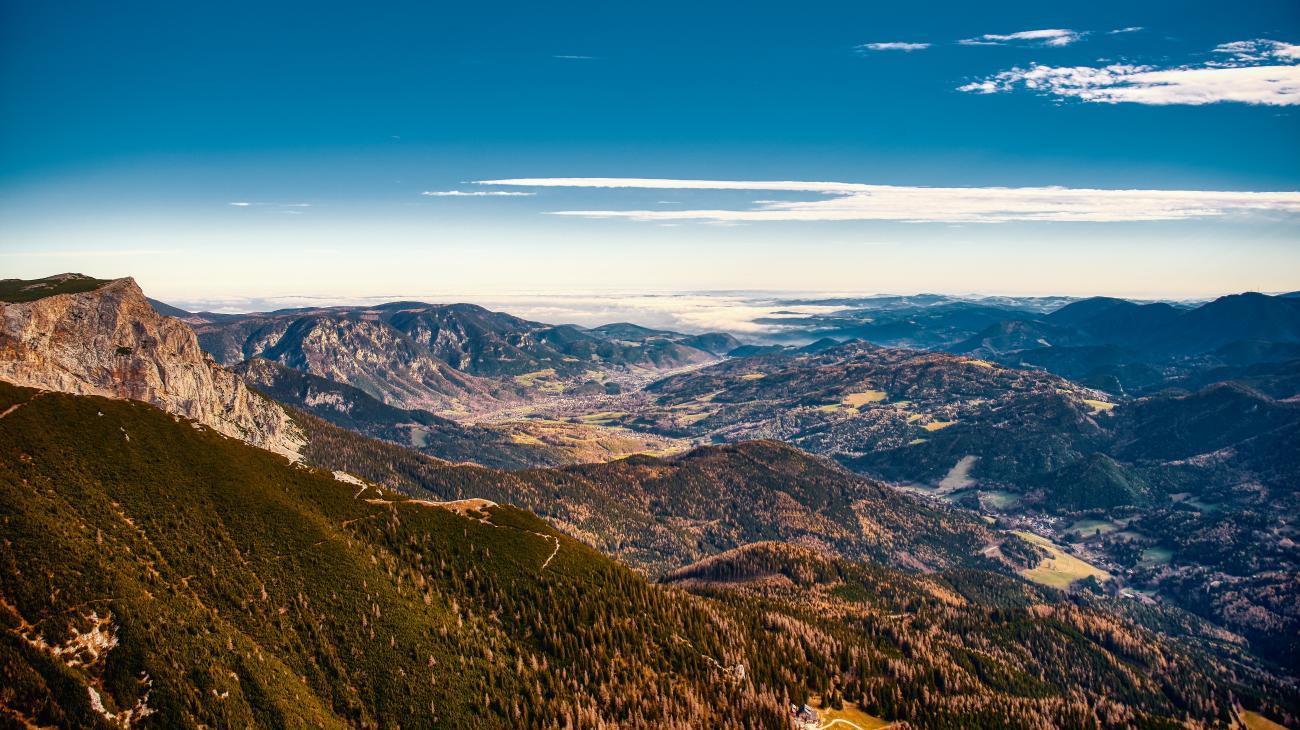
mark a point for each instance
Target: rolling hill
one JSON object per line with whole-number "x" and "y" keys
{"x": 661, "y": 513}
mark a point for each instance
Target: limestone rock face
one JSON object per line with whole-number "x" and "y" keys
{"x": 110, "y": 342}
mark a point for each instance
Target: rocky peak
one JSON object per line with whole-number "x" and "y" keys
{"x": 110, "y": 342}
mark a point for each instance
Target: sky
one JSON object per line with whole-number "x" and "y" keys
{"x": 240, "y": 153}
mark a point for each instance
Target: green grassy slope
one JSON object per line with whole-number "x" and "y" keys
{"x": 27, "y": 290}
{"x": 243, "y": 591}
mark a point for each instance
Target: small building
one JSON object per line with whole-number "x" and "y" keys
{"x": 804, "y": 715}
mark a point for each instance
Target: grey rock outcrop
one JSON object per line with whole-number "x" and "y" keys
{"x": 111, "y": 342}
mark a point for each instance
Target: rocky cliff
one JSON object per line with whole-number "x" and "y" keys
{"x": 110, "y": 342}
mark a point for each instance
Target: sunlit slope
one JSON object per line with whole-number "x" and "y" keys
{"x": 156, "y": 568}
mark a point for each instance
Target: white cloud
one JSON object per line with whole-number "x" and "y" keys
{"x": 90, "y": 253}
{"x": 895, "y": 46}
{"x": 861, "y": 202}
{"x": 473, "y": 193}
{"x": 575, "y": 58}
{"x": 1054, "y": 37}
{"x": 1259, "y": 51}
{"x": 1271, "y": 85}
{"x": 1129, "y": 29}
{"x": 244, "y": 204}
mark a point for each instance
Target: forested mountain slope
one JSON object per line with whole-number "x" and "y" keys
{"x": 158, "y": 574}
{"x": 662, "y": 513}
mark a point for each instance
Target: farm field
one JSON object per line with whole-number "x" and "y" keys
{"x": 1000, "y": 499}
{"x": 1156, "y": 556}
{"x": 857, "y": 400}
{"x": 958, "y": 477}
{"x": 1090, "y": 525}
{"x": 1061, "y": 569}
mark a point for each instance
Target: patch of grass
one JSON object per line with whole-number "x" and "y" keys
{"x": 857, "y": 400}
{"x": 1200, "y": 506}
{"x": 602, "y": 418}
{"x": 1099, "y": 406}
{"x": 1155, "y": 556}
{"x": 1060, "y": 569}
{"x": 937, "y": 425}
{"x": 1000, "y": 499}
{"x": 29, "y": 290}
{"x": 980, "y": 363}
{"x": 530, "y": 378}
{"x": 1091, "y": 525}
{"x": 851, "y": 713}
{"x": 753, "y": 376}
{"x": 958, "y": 477}
{"x": 419, "y": 437}
{"x": 1256, "y": 721}
{"x": 543, "y": 381}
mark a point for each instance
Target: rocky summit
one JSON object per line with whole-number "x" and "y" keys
{"x": 107, "y": 340}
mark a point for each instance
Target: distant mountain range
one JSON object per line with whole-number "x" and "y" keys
{"x": 1120, "y": 346}
{"x": 457, "y": 357}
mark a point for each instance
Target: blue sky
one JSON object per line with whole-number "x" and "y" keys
{"x": 128, "y": 130}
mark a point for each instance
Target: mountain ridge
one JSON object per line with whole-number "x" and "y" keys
{"x": 456, "y": 358}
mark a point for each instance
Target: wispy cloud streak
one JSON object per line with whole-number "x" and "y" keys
{"x": 894, "y": 46}
{"x": 474, "y": 194}
{"x": 863, "y": 202}
{"x": 247, "y": 204}
{"x": 1054, "y": 37}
